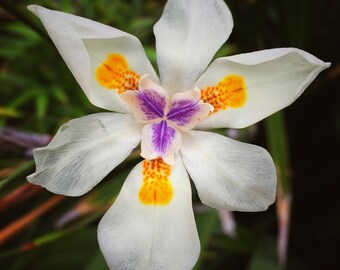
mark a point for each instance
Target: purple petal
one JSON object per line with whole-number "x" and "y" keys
{"x": 151, "y": 103}
{"x": 163, "y": 136}
{"x": 182, "y": 111}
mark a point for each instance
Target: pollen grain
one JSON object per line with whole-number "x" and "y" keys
{"x": 156, "y": 188}
{"x": 228, "y": 93}
{"x": 114, "y": 73}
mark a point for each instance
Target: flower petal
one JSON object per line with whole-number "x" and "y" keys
{"x": 249, "y": 87}
{"x": 134, "y": 234}
{"x": 85, "y": 44}
{"x": 229, "y": 174}
{"x": 187, "y": 109}
{"x": 117, "y": 64}
{"x": 160, "y": 140}
{"x": 187, "y": 36}
{"x": 84, "y": 151}
{"x": 148, "y": 103}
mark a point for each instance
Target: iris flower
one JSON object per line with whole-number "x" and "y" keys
{"x": 151, "y": 223}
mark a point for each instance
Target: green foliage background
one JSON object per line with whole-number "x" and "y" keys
{"x": 38, "y": 94}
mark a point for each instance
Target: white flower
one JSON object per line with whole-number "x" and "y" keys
{"x": 151, "y": 224}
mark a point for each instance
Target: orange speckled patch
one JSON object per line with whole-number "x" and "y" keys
{"x": 114, "y": 73}
{"x": 230, "y": 92}
{"x": 156, "y": 188}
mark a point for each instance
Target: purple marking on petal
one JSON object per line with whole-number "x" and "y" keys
{"x": 151, "y": 103}
{"x": 182, "y": 111}
{"x": 163, "y": 136}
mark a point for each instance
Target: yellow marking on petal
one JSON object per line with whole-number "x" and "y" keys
{"x": 156, "y": 188}
{"x": 230, "y": 92}
{"x": 115, "y": 74}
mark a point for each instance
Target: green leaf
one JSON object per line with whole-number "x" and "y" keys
{"x": 278, "y": 147}
{"x": 70, "y": 252}
{"x": 9, "y": 112}
{"x": 264, "y": 256}
{"x": 16, "y": 179}
{"x": 206, "y": 225}
{"x": 97, "y": 262}
{"x": 41, "y": 104}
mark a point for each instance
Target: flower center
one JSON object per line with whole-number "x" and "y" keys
{"x": 164, "y": 117}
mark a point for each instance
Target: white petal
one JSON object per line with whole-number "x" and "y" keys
{"x": 69, "y": 33}
{"x": 187, "y": 36}
{"x": 273, "y": 80}
{"x": 229, "y": 174}
{"x": 133, "y": 235}
{"x": 84, "y": 151}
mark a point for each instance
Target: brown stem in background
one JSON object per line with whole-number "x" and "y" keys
{"x": 18, "y": 225}
{"x": 19, "y": 195}
{"x": 283, "y": 212}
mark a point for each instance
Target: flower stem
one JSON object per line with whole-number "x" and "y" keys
{"x": 279, "y": 148}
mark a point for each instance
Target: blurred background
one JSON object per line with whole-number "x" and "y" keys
{"x": 40, "y": 230}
